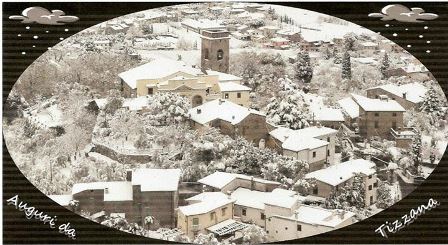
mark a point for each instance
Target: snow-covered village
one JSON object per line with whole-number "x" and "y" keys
{"x": 226, "y": 123}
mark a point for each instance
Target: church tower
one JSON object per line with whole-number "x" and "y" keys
{"x": 215, "y": 50}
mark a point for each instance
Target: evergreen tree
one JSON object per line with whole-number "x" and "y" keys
{"x": 433, "y": 105}
{"x": 384, "y": 65}
{"x": 416, "y": 152}
{"x": 304, "y": 70}
{"x": 346, "y": 66}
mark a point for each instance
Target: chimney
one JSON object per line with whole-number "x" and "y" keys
{"x": 198, "y": 111}
{"x": 252, "y": 183}
{"x": 404, "y": 95}
{"x": 106, "y": 190}
{"x": 129, "y": 175}
{"x": 220, "y": 101}
{"x": 233, "y": 117}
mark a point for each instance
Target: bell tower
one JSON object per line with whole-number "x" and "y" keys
{"x": 215, "y": 50}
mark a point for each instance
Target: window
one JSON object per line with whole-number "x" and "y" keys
{"x": 376, "y": 124}
{"x": 286, "y": 228}
{"x": 315, "y": 190}
{"x": 377, "y": 114}
{"x": 370, "y": 176}
{"x": 212, "y": 215}
{"x": 220, "y": 54}
{"x": 328, "y": 139}
{"x": 394, "y": 125}
{"x": 238, "y": 95}
{"x": 314, "y": 154}
{"x": 394, "y": 114}
{"x": 299, "y": 228}
{"x": 370, "y": 187}
{"x": 328, "y": 152}
{"x": 243, "y": 212}
{"x": 262, "y": 216}
{"x": 195, "y": 221}
{"x": 223, "y": 211}
{"x": 371, "y": 200}
{"x": 226, "y": 96}
{"x": 150, "y": 91}
{"x": 375, "y": 184}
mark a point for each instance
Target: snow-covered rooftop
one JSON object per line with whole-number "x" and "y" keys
{"x": 62, "y": 200}
{"x": 203, "y": 24}
{"x": 369, "y": 104}
{"x": 257, "y": 199}
{"x": 232, "y": 86}
{"x": 221, "y": 179}
{"x": 220, "y": 109}
{"x": 205, "y": 196}
{"x": 279, "y": 39}
{"x": 341, "y": 172}
{"x": 319, "y": 216}
{"x": 224, "y": 77}
{"x": 327, "y": 114}
{"x": 282, "y": 198}
{"x": 156, "y": 179}
{"x": 415, "y": 92}
{"x": 156, "y": 69}
{"x": 204, "y": 206}
{"x": 250, "y": 198}
{"x": 350, "y": 107}
{"x": 302, "y": 139}
{"x": 113, "y": 191}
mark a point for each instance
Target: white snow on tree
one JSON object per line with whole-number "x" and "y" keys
{"x": 348, "y": 196}
{"x": 254, "y": 234}
{"x": 208, "y": 239}
{"x": 303, "y": 68}
{"x": 167, "y": 108}
{"x": 289, "y": 109}
{"x": 433, "y": 105}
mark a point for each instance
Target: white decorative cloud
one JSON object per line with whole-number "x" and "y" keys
{"x": 44, "y": 16}
{"x": 403, "y": 14}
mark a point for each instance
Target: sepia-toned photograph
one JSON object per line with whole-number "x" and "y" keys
{"x": 225, "y": 122}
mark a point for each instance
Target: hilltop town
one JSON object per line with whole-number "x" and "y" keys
{"x": 226, "y": 123}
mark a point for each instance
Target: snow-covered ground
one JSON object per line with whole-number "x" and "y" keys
{"x": 45, "y": 116}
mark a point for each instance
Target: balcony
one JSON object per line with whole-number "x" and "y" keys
{"x": 403, "y": 133}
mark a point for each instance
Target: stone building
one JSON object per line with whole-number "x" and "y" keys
{"x": 228, "y": 182}
{"x": 231, "y": 119}
{"x": 204, "y": 213}
{"x": 378, "y": 116}
{"x": 215, "y": 50}
{"x": 315, "y": 145}
{"x": 145, "y": 192}
{"x": 409, "y": 95}
{"x": 306, "y": 221}
{"x": 336, "y": 176}
{"x": 165, "y": 75}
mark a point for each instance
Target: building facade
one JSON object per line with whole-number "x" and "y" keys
{"x": 378, "y": 116}
{"x": 215, "y": 50}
